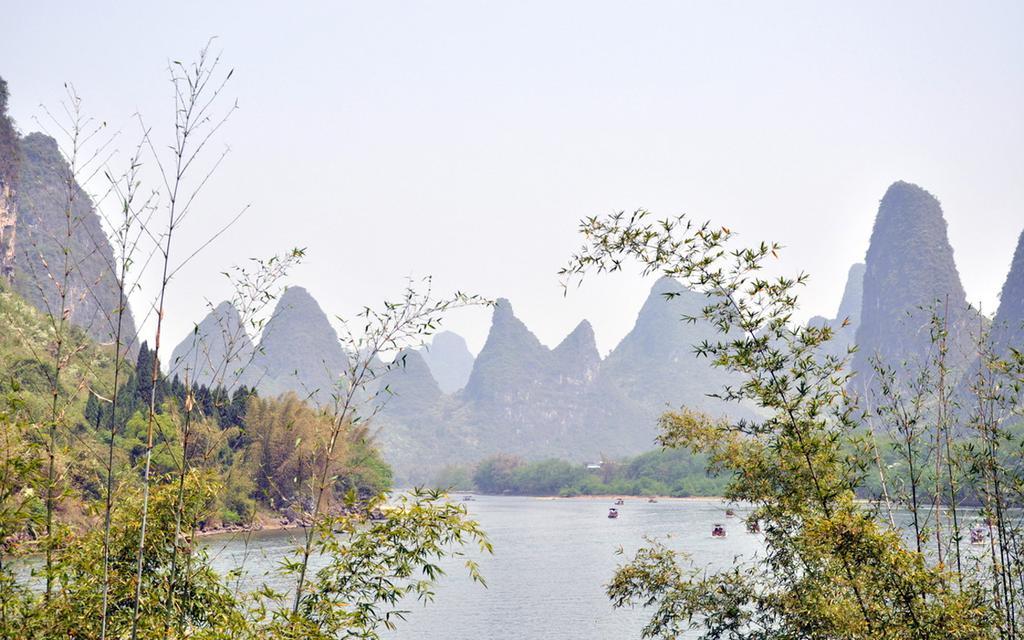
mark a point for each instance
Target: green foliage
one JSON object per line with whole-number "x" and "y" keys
{"x": 273, "y": 447}
{"x": 26, "y": 341}
{"x": 9, "y": 155}
{"x": 375, "y": 567}
{"x": 455, "y": 477}
{"x": 203, "y": 600}
{"x": 667, "y": 472}
{"x": 285, "y": 452}
{"x": 496, "y": 474}
{"x": 831, "y": 568}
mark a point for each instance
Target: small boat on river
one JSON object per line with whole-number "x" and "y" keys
{"x": 620, "y": 501}
{"x": 652, "y": 500}
{"x": 729, "y": 513}
{"x": 979, "y": 535}
{"x": 718, "y": 531}
{"x": 613, "y": 513}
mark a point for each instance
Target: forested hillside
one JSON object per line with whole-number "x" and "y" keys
{"x": 249, "y": 443}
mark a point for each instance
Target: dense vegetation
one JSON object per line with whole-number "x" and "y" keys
{"x": 834, "y": 567}
{"x": 670, "y": 472}
{"x": 110, "y": 469}
{"x": 247, "y": 443}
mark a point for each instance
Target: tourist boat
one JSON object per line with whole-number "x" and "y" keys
{"x": 620, "y": 501}
{"x": 979, "y": 535}
{"x": 613, "y": 513}
{"x": 753, "y": 526}
{"x": 718, "y": 531}
{"x": 729, "y": 513}
{"x": 652, "y": 500}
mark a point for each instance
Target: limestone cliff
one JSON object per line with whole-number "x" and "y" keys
{"x": 47, "y": 227}
{"x": 8, "y": 178}
{"x": 847, "y": 318}
{"x": 909, "y": 275}
{"x": 8, "y": 226}
{"x": 1008, "y": 327}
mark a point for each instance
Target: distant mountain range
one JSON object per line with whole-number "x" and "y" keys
{"x": 518, "y": 396}
{"x": 217, "y": 352}
{"x": 526, "y": 399}
{"x": 298, "y": 350}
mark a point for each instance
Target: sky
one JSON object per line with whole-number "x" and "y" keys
{"x": 465, "y": 140}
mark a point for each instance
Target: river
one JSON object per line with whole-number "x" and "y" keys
{"x": 552, "y": 559}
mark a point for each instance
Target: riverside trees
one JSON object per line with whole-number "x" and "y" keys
{"x": 832, "y": 567}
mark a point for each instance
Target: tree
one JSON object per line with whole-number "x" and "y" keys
{"x": 831, "y": 570}
{"x": 495, "y": 475}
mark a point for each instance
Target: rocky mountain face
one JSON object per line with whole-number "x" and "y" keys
{"x": 411, "y": 388}
{"x": 41, "y": 196}
{"x": 576, "y": 358}
{"x": 853, "y": 297}
{"x": 34, "y": 233}
{"x": 654, "y": 368}
{"x": 1008, "y": 326}
{"x": 8, "y": 176}
{"x": 909, "y": 275}
{"x": 218, "y": 352}
{"x": 847, "y": 318}
{"x": 298, "y": 351}
{"x": 449, "y": 360}
{"x": 508, "y": 366}
{"x": 8, "y": 228}
{"x": 515, "y": 394}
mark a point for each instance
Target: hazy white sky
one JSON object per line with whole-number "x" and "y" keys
{"x": 465, "y": 139}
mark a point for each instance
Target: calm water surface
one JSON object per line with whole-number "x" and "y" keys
{"x": 552, "y": 559}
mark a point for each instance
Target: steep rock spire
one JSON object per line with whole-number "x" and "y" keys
{"x": 909, "y": 275}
